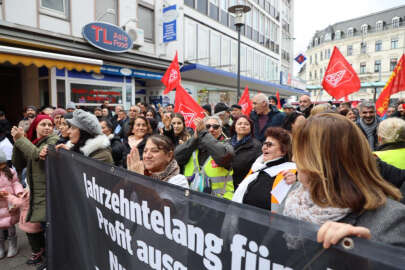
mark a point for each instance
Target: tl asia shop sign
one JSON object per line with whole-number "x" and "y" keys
{"x": 107, "y": 37}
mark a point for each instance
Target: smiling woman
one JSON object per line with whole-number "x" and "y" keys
{"x": 140, "y": 130}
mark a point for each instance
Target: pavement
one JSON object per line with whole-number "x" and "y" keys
{"x": 18, "y": 262}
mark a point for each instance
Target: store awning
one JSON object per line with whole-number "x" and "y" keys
{"x": 39, "y": 58}
{"x": 205, "y": 74}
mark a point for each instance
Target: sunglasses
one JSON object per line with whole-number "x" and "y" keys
{"x": 268, "y": 144}
{"x": 213, "y": 126}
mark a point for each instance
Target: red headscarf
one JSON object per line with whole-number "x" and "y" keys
{"x": 32, "y": 131}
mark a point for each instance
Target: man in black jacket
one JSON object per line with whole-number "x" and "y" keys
{"x": 305, "y": 105}
{"x": 264, "y": 115}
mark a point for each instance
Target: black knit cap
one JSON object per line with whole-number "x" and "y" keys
{"x": 220, "y": 107}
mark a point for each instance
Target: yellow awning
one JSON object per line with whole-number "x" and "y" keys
{"x": 49, "y": 63}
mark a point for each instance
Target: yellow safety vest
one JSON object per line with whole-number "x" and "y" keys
{"x": 219, "y": 178}
{"x": 395, "y": 157}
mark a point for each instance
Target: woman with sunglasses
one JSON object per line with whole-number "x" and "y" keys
{"x": 247, "y": 148}
{"x": 267, "y": 171}
{"x": 207, "y": 158}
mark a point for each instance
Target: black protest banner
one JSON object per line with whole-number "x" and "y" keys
{"x": 106, "y": 218}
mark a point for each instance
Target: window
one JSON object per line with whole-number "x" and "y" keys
{"x": 224, "y": 12}
{"x": 349, "y": 50}
{"x": 377, "y": 66}
{"x": 225, "y": 51}
{"x": 202, "y": 6}
{"x": 363, "y": 47}
{"x": 378, "y": 45}
{"x": 350, "y": 32}
{"x": 310, "y": 75}
{"x": 316, "y": 58}
{"x": 58, "y": 8}
{"x": 310, "y": 59}
{"x": 394, "y": 43}
{"x": 103, "y": 9}
{"x": 315, "y": 75}
{"x": 338, "y": 34}
{"x": 146, "y": 21}
{"x": 328, "y": 37}
{"x": 379, "y": 26}
{"x": 393, "y": 63}
{"x": 203, "y": 45}
{"x": 328, "y": 53}
{"x": 214, "y": 9}
{"x": 395, "y": 22}
{"x": 321, "y": 56}
{"x": 362, "y": 68}
{"x": 364, "y": 29}
{"x": 191, "y": 37}
{"x": 215, "y": 48}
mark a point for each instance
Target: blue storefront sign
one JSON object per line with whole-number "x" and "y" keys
{"x": 169, "y": 23}
{"x": 130, "y": 72}
{"x": 107, "y": 37}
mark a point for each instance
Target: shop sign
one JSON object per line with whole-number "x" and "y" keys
{"x": 107, "y": 37}
{"x": 169, "y": 24}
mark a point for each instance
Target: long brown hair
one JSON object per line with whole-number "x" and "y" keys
{"x": 341, "y": 167}
{"x": 132, "y": 123}
{"x": 7, "y": 171}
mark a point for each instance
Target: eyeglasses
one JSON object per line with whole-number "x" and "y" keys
{"x": 213, "y": 126}
{"x": 268, "y": 144}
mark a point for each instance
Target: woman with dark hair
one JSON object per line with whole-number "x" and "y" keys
{"x": 340, "y": 188}
{"x": 64, "y": 128}
{"x": 175, "y": 128}
{"x": 153, "y": 119}
{"x": 293, "y": 119}
{"x": 158, "y": 161}
{"x": 267, "y": 171}
{"x": 117, "y": 148}
{"x": 349, "y": 114}
{"x": 87, "y": 138}
{"x": 247, "y": 149}
{"x": 139, "y": 130}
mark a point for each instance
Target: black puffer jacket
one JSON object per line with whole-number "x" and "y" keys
{"x": 245, "y": 156}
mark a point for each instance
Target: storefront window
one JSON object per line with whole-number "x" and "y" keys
{"x": 128, "y": 96}
{"x": 60, "y": 90}
{"x": 94, "y": 94}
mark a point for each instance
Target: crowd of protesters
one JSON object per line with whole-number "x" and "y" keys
{"x": 345, "y": 164}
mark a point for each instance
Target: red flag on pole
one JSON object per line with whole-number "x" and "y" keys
{"x": 278, "y": 100}
{"x": 395, "y": 84}
{"x": 340, "y": 79}
{"x": 187, "y": 106}
{"x": 245, "y": 102}
{"x": 172, "y": 79}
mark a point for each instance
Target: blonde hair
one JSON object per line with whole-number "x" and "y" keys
{"x": 321, "y": 108}
{"x": 391, "y": 130}
{"x": 341, "y": 168}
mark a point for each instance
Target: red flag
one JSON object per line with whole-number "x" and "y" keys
{"x": 340, "y": 79}
{"x": 346, "y": 98}
{"x": 245, "y": 102}
{"x": 395, "y": 84}
{"x": 278, "y": 100}
{"x": 187, "y": 106}
{"x": 172, "y": 78}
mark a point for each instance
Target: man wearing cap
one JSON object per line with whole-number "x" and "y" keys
{"x": 264, "y": 115}
{"x": 222, "y": 111}
{"x": 288, "y": 108}
{"x": 236, "y": 111}
{"x": 30, "y": 114}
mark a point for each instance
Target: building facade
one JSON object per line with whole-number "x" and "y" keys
{"x": 372, "y": 44}
{"x": 45, "y": 60}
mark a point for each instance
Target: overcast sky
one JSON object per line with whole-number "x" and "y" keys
{"x": 313, "y": 15}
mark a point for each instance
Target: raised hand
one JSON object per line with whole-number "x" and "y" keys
{"x": 134, "y": 162}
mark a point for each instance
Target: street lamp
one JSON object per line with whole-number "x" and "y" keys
{"x": 239, "y": 10}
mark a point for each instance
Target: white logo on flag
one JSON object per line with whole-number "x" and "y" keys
{"x": 188, "y": 114}
{"x": 337, "y": 78}
{"x": 244, "y": 106}
{"x": 173, "y": 75}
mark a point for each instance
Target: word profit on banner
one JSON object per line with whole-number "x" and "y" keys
{"x": 207, "y": 245}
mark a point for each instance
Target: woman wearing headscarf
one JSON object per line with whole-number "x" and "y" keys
{"x": 29, "y": 152}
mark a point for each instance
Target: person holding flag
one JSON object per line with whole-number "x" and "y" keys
{"x": 207, "y": 159}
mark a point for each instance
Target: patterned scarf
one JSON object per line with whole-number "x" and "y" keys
{"x": 299, "y": 205}
{"x": 235, "y": 143}
{"x": 171, "y": 170}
